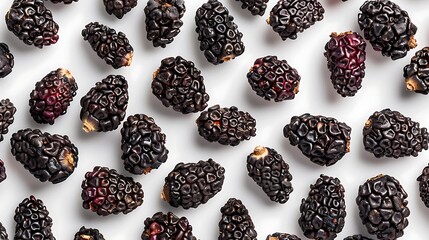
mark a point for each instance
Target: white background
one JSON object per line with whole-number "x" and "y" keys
{"x": 227, "y": 85}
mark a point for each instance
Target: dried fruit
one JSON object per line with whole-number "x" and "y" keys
{"x": 387, "y": 27}
{"x": 6, "y": 60}
{"x": 179, "y": 84}
{"x": 255, "y": 7}
{"x": 88, "y": 234}
{"x": 227, "y": 126}
{"x": 345, "y": 53}
{"x": 63, "y": 1}
{"x": 322, "y": 139}
{"x": 282, "y": 236}
{"x": 32, "y": 220}
{"x": 48, "y": 157}
{"x": 119, "y": 7}
{"x": 192, "y": 184}
{"x": 52, "y": 95}
{"x": 290, "y": 17}
{"x": 383, "y": 207}
{"x": 3, "y": 233}
{"x": 7, "y": 112}
{"x": 32, "y": 23}
{"x": 388, "y": 133}
{"x": 423, "y": 180}
{"x": 273, "y": 79}
{"x": 357, "y": 237}
{"x": 104, "y": 106}
{"x": 143, "y": 144}
{"x": 268, "y": 169}
{"x": 3, "y": 175}
{"x": 415, "y": 73}
{"x": 163, "y": 20}
{"x": 167, "y": 226}
{"x": 114, "y": 48}
{"x": 105, "y": 192}
{"x": 236, "y": 222}
{"x": 323, "y": 212}
{"x": 219, "y": 37}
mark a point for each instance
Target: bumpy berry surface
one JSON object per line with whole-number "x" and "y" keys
{"x": 357, "y": 237}
{"x": 3, "y": 233}
{"x": 268, "y": 169}
{"x": 104, "y": 106}
{"x": 88, "y": 234}
{"x": 255, "y": 7}
{"x": 52, "y": 96}
{"x": 236, "y": 222}
{"x": 32, "y": 23}
{"x": 323, "y": 212}
{"x": 167, "y": 226}
{"x": 49, "y": 157}
{"x": 105, "y": 192}
{"x": 322, "y": 139}
{"x": 143, "y": 144}
{"x": 423, "y": 180}
{"x": 3, "y": 175}
{"x": 192, "y": 184}
{"x": 111, "y": 46}
{"x": 63, "y": 1}
{"x": 383, "y": 207}
{"x": 119, "y": 7}
{"x": 416, "y": 74}
{"x": 227, "y": 126}
{"x": 387, "y": 27}
{"x": 7, "y": 112}
{"x": 179, "y": 84}
{"x": 219, "y": 37}
{"x": 290, "y": 17}
{"x": 32, "y": 220}
{"x": 345, "y": 53}
{"x": 282, "y": 236}
{"x": 6, "y": 60}
{"x": 273, "y": 79}
{"x": 388, "y": 133}
{"x": 163, "y": 20}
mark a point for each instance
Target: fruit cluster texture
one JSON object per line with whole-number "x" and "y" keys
{"x": 255, "y": 7}
{"x": 49, "y": 157}
{"x": 7, "y": 112}
{"x": 6, "y": 60}
{"x": 416, "y": 74}
{"x": 423, "y": 180}
{"x": 3, "y": 233}
{"x": 166, "y": 226}
{"x": 282, "y": 236}
{"x": 3, "y": 175}
{"x": 119, "y": 7}
{"x": 236, "y": 222}
{"x": 88, "y": 234}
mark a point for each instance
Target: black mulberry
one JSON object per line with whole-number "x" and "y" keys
{"x": 3, "y": 233}
{"x": 119, "y": 7}
{"x": 104, "y": 106}
{"x": 227, "y": 126}
{"x": 255, "y": 7}
{"x": 282, "y": 236}
{"x": 345, "y": 53}
{"x": 32, "y": 220}
{"x": 383, "y": 207}
{"x": 179, "y": 84}
{"x": 322, "y": 139}
{"x": 423, "y": 180}
{"x": 415, "y": 73}
{"x": 275, "y": 79}
{"x": 7, "y": 112}
{"x": 323, "y": 212}
{"x": 357, "y": 237}
{"x": 105, "y": 192}
{"x": 167, "y": 226}
{"x": 236, "y": 222}
{"x": 6, "y": 60}
{"x": 387, "y": 27}
{"x": 88, "y": 234}
{"x": 3, "y": 175}
{"x": 192, "y": 184}
{"x": 219, "y": 37}
{"x": 290, "y": 17}
{"x": 163, "y": 20}
{"x": 49, "y": 157}
{"x": 143, "y": 144}
{"x": 63, "y": 1}
{"x": 52, "y": 95}
{"x": 268, "y": 169}
{"x": 388, "y": 133}
{"x": 114, "y": 48}
{"x": 32, "y": 23}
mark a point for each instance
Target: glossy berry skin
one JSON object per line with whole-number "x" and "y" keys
{"x": 6, "y": 60}
{"x": 7, "y": 112}
{"x": 282, "y": 236}
{"x": 236, "y": 222}
{"x": 165, "y": 226}
{"x": 88, "y": 234}
{"x": 345, "y": 54}
{"x": 255, "y": 7}
{"x": 3, "y": 175}
{"x": 416, "y": 74}
{"x": 119, "y": 7}
{"x": 423, "y": 180}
